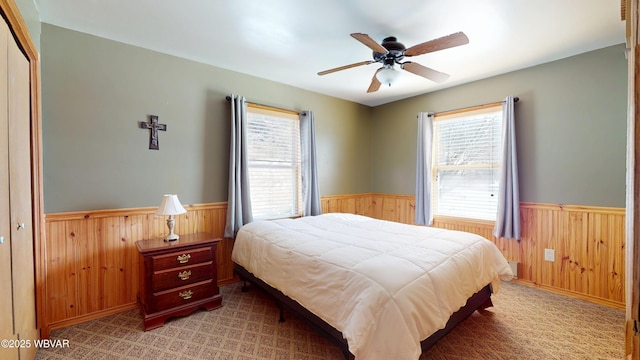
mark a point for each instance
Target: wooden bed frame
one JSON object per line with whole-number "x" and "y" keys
{"x": 478, "y": 301}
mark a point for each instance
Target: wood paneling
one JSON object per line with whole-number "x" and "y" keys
{"x": 589, "y": 244}
{"x": 92, "y": 262}
{"x": 360, "y": 204}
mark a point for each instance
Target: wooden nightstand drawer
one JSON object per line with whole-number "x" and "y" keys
{"x": 183, "y": 295}
{"x": 172, "y": 278}
{"x": 181, "y": 258}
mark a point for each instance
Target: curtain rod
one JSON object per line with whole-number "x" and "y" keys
{"x": 228, "y": 98}
{"x": 515, "y": 100}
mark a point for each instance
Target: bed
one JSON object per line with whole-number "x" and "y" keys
{"x": 384, "y": 290}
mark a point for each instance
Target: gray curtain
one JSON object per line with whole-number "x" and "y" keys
{"x": 310, "y": 192}
{"x": 239, "y": 200}
{"x": 508, "y": 217}
{"x": 424, "y": 214}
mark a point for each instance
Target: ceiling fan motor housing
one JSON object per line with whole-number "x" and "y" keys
{"x": 395, "y": 51}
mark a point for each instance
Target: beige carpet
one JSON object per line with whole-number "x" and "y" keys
{"x": 525, "y": 323}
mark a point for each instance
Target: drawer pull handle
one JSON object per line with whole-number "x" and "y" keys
{"x": 186, "y": 294}
{"x": 184, "y": 275}
{"x": 184, "y": 258}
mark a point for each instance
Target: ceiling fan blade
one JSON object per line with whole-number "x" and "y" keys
{"x": 375, "y": 83}
{"x": 424, "y": 71}
{"x": 442, "y": 43}
{"x": 345, "y": 67}
{"x": 369, "y": 42}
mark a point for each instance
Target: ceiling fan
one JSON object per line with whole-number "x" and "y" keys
{"x": 391, "y": 52}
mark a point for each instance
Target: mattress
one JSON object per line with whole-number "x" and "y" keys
{"x": 384, "y": 285}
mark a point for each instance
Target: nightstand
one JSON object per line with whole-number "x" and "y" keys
{"x": 177, "y": 278}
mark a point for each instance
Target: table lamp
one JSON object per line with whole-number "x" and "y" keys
{"x": 170, "y": 205}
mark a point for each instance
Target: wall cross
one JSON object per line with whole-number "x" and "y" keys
{"x": 154, "y": 127}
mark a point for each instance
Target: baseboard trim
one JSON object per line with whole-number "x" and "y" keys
{"x": 92, "y": 316}
{"x": 573, "y": 294}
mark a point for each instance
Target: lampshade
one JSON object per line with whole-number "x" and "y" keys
{"x": 387, "y": 75}
{"x": 170, "y": 205}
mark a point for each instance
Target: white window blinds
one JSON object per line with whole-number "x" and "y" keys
{"x": 274, "y": 163}
{"x": 466, "y": 163}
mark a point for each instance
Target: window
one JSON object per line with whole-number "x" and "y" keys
{"x": 466, "y": 162}
{"x": 274, "y": 168}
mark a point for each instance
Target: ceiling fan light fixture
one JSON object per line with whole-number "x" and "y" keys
{"x": 387, "y": 76}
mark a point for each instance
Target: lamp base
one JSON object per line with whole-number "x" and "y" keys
{"x": 172, "y": 238}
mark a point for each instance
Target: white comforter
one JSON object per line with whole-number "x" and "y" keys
{"x": 386, "y": 286}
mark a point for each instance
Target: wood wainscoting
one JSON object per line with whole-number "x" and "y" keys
{"x": 92, "y": 264}
{"x": 91, "y": 261}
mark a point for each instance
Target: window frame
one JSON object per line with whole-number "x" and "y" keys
{"x": 295, "y": 164}
{"x": 453, "y": 115}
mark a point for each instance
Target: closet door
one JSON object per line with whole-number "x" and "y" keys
{"x": 21, "y": 207}
{"x": 7, "y": 330}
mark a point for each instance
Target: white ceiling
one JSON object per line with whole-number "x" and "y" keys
{"x": 289, "y": 41}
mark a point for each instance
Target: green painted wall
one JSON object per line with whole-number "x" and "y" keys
{"x": 570, "y": 124}
{"x": 571, "y": 127}
{"x": 96, "y": 91}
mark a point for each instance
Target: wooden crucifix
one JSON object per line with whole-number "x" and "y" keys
{"x": 154, "y": 127}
